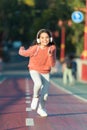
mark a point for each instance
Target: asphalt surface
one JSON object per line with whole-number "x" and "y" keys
{"x": 66, "y": 105}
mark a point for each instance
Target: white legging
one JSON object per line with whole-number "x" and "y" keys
{"x": 41, "y": 85}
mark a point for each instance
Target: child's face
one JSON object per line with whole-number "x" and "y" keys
{"x": 44, "y": 39}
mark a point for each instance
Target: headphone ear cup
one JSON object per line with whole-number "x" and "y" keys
{"x": 38, "y": 40}
{"x": 51, "y": 39}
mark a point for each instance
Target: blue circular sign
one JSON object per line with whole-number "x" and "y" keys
{"x": 77, "y": 16}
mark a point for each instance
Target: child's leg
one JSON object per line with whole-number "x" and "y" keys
{"x": 37, "y": 86}
{"x": 44, "y": 94}
{"x": 44, "y": 89}
{"x": 37, "y": 82}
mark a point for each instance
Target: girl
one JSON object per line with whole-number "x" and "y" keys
{"x": 42, "y": 57}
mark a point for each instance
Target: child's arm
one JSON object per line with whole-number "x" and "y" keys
{"x": 27, "y": 52}
{"x": 23, "y": 52}
{"x": 52, "y": 55}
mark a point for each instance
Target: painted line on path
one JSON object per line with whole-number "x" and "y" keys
{"x": 29, "y": 121}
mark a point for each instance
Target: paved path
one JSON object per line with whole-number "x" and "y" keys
{"x": 78, "y": 89}
{"x": 65, "y": 111}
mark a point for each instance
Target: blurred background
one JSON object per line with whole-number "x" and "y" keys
{"x": 21, "y": 19}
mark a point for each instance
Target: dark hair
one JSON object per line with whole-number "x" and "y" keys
{"x": 44, "y": 31}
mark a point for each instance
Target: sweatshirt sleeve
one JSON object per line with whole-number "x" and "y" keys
{"x": 27, "y": 52}
{"x": 52, "y": 55}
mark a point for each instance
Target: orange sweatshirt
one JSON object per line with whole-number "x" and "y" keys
{"x": 40, "y": 60}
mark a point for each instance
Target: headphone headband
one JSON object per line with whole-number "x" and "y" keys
{"x": 44, "y": 30}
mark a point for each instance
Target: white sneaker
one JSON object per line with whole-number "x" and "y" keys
{"x": 42, "y": 112}
{"x": 34, "y": 103}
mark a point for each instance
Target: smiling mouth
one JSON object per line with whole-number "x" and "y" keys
{"x": 45, "y": 42}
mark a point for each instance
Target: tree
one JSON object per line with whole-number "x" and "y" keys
{"x": 21, "y": 19}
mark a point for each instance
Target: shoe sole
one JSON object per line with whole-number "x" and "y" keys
{"x": 41, "y": 115}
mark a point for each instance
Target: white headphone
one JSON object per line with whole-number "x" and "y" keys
{"x": 44, "y": 30}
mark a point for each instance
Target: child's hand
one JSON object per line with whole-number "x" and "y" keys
{"x": 21, "y": 49}
{"x": 51, "y": 50}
